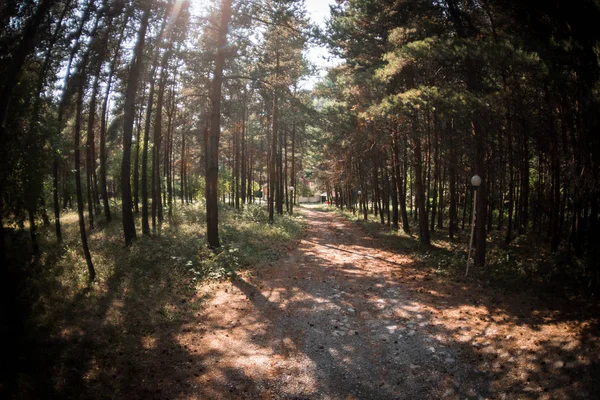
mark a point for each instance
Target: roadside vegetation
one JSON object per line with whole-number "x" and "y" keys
{"x": 146, "y": 288}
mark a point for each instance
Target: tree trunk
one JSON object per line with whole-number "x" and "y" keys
{"x": 293, "y": 172}
{"x": 145, "y": 213}
{"x": 403, "y": 186}
{"x": 104, "y": 117}
{"x": 156, "y": 180}
{"x": 453, "y": 225}
{"x": 436, "y": 172}
{"x": 395, "y": 182}
{"x": 84, "y": 242}
{"x": 244, "y": 152}
{"x": 482, "y": 196}
{"x": 33, "y": 134}
{"x": 473, "y": 81}
{"x": 136, "y": 160}
{"x": 524, "y": 198}
{"x": 280, "y": 191}
{"x": 212, "y": 151}
{"x": 273, "y": 162}
{"x": 169, "y": 151}
{"x": 236, "y": 167}
{"x": 183, "y": 161}
{"x": 420, "y": 195}
{"x": 129, "y": 111}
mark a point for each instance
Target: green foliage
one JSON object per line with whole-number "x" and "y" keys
{"x": 219, "y": 264}
{"x": 173, "y": 261}
{"x": 258, "y": 241}
{"x": 255, "y": 213}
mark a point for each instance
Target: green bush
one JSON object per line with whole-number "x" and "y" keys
{"x": 220, "y": 264}
{"x": 255, "y": 213}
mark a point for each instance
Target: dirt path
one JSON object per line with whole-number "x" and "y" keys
{"x": 340, "y": 318}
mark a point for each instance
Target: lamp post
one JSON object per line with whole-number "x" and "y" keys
{"x": 292, "y": 202}
{"x": 475, "y": 181}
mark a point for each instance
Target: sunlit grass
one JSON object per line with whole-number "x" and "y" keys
{"x": 177, "y": 245}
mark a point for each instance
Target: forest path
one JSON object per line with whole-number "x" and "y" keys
{"x": 328, "y": 320}
{"x": 340, "y": 317}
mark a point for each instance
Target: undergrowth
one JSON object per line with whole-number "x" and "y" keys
{"x": 175, "y": 247}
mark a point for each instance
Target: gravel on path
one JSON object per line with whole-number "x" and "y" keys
{"x": 339, "y": 317}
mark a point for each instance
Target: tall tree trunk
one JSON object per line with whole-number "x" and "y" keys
{"x": 400, "y": 182}
{"x": 524, "y": 198}
{"x": 61, "y": 110}
{"x": 236, "y": 167}
{"x": 381, "y": 192}
{"x": 436, "y": 172}
{"x": 386, "y": 191}
{"x": 285, "y": 172}
{"x": 90, "y": 147}
{"x": 183, "y": 161}
{"x": 293, "y": 172}
{"x": 273, "y": 161}
{"x": 474, "y": 84}
{"x": 428, "y": 177}
{"x": 212, "y": 151}
{"x": 420, "y": 195}
{"x": 453, "y": 214}
{"x": 156, "y": 187}
{"x": 394, "y": 189}
{"x": 103, "y": 123}
{"x": 169, "y": 151}
{"x": 250, "y": 171}
{"x": 31, "y": 196}
{"x": 129, "y": 111}
{"x": 244, "y": 151}
{"x": 280, "y": 192}
{"x": 403, "y": 190}
{"x": 138, "y": 147}
{"x": 84, "y": 242}
{"x": 482, "y": 195}
{"x": 145, "y": 205}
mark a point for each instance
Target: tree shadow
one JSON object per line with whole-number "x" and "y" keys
{"x": 341, "y": 316}
{"x": 117, "y": 338}
{"x": 438, "y": 264}
{"x": 483, "y": 351}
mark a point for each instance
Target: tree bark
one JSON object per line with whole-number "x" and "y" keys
{"x": 212, "y": 150}
{"x": 129, "y": 109}
{"x": 273, "y": 161}
{"x": 453, "y": 214}
{"x": 103, "y": 123}
{"x": 84, "y": 242}
{"x": 156, "y": 187}
{"x": 420, "y": 195}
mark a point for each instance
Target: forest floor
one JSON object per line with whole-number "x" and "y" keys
{"x": 340, "y": 317}
{"x": 337, "y": 316}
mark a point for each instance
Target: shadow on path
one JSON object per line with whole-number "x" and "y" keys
{"x": 337, "y": 317}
